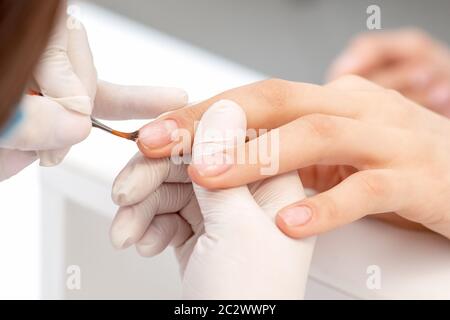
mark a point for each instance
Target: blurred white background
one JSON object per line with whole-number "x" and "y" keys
{"x": 20, "y": 236}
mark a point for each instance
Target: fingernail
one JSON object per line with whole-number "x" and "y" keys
{"x": 157, "y": 133}
{"x": 296, "y": 216}
{"x": 439, "y": 96}
{"x": 212, "y": 165}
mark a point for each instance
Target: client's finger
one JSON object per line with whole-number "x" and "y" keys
{"x": 361, "y": 194}
{"x": 309, "y": 140}
{"x": 268, "y": 104}
{"x": 372, "y": 51}
{"x": 404, "y": 76}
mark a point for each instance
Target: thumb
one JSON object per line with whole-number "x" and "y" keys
{"x": 221, "y": 127}
{"x": 55, "y": 75}
{"x": 66, "y": 74}
{"x": 46, "y": 125}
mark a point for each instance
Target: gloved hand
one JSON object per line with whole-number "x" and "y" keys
{"x": 227, "y": 243}
{"x": 67, "y": 79}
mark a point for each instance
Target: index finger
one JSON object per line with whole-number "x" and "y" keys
{"x": 268, "y": 104}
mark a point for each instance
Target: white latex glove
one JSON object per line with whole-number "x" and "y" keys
{"x": 67, "y": 78}
{"x": 227, "y": 244}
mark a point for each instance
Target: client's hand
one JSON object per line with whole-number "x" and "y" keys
{"x": 407, "y": 60}
{"x": 367, "y": 150}
{"x": 227, "y": 243}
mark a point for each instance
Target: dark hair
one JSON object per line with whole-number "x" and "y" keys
{"x": 24, "y": 29}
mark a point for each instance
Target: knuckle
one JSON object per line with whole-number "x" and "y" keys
{"x": 273, "y": 83}
{"x": 402, "y": 109}
{"x": 320, "y": 125}
{"x": 187, "y": 119}
{"x": 275, "y": 91}
{"x": 191, "y": 113}
{"x": 373, "y": 184}
{"x": 327, "y": 207}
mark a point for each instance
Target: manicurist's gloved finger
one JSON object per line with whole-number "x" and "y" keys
{"x": 131, "y": 222}
{"x": 240, "y": 234}
{"x": 272, "y": 195}
{"x": 55, "y": 74}
{"x": 117, "y": 102}
{"x": 165, "y": 230}
{"x": 66, "y": 74}
{"x": 46, "y": 125}
{"x": 222, "y": 127}
{"x": 80, "y": 56}
{"x": 142, "y": 176}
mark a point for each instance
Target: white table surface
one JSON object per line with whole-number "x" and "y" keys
{"x": 413, "y": 264}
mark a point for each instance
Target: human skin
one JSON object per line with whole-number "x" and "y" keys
{"x": 365, "y": 149}
{"x": 407, "y": 60}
